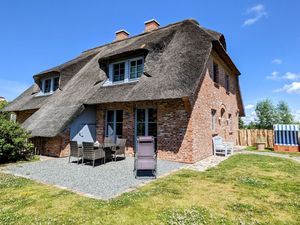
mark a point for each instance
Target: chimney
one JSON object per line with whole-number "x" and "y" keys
{"x": 151, "y": 25}
{"x": 121, "y": 35}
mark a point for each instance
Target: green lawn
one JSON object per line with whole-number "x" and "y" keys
{"x": 245, "y": 189}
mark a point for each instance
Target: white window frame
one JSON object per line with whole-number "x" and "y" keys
{"x": 42, "y": 92}
{"x": 127, "y": 79}
{"x": 129, "y": 62}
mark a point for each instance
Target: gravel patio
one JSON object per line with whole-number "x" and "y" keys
{"x": 104, "y": 181}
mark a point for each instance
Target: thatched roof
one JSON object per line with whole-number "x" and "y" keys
{"x": 175, "y": 58}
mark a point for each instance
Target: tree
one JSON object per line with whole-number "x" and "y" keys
{"x": 284, "y": 113}
{"x": 241, "y": 123}
{"x": 14, "y": 143}
{"x": 266, "y": 114}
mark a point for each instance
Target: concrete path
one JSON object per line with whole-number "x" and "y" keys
{"x": 208, "y": 162}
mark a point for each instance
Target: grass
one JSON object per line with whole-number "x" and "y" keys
{"x": 252, "y": 148}
{"x": 245, "y": 189}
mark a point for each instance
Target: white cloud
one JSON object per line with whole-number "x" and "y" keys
{"x": 250, "y": 106}
{"x": 287, "y": 76}
{"x": 277, "y": 61}
{"x": 291, "y": 76}
{"x": 249, "y": 117}
{"x": 11, "y": 89}
{"x": 293, "y": 88}
{"x": 273, "y": 76}
{"x": 258, "y": 12}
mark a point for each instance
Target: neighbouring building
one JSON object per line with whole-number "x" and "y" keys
{"x": 2, "y": 99}
{"x": 176, "y": 83}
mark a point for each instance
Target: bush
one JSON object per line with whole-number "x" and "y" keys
{"x": 14, "y": 144}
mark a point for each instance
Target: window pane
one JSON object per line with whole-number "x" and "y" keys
{"x": 119, "y": 128}
{"x": 141, "y": 115}
{"x": 132, "y": 63}
{"x": 110, "y": 129}
{"x": 122, "y": 65}
{"x": 152, "y": 115}
{"x": 119, "y": 116}
{"x": 47, "y": 85}
{"x": 152, "y": 129}
{"x": 110, "y": 116}
{"x": 140, "y": 129}
{"x": 140, "y": 62}
{"x": 55, "y": 83}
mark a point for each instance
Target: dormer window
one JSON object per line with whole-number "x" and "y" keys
{"x": 118, "y": 71}
{"x": 125, "y": 71}
{"x": 49, "y": 85}
{"x": 136, "y": 68}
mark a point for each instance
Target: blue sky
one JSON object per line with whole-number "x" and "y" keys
{"x": 263, "y": 38}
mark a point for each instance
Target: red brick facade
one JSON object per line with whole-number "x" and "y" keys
{"x": 184, "y": 128}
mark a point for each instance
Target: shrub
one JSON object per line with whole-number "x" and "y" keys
{"x": 13, "y": 142}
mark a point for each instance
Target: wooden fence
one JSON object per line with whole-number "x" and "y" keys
{"x": 248, "y": 137}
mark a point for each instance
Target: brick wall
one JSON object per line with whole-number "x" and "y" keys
{"x": 213, "y": 96}
{"x": 24, "y": 115}
{"x": 58, "y": 146}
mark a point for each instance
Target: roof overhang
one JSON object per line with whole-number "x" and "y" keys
{"x": 217, "y": 46}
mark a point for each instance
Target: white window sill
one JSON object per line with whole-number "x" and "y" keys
{"x": 44, "y": 94}
{"x": 109, "y": 83}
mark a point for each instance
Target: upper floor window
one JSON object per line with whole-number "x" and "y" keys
{"x": 49, "y": 85}
{"x": 227, "y": 82}
{"x": 216, "y": 73}
{"x": 125, "y": 71}
{"x": 118, "y": 71}
{"x": 136, "y": 68}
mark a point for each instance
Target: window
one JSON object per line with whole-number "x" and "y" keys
{"x": 146, "y": 123}
{"x": 55, "y": 83}
{"x": 50, "y": 85}
{"x": 136, "y": 68}
{"x": 13, "y": 117}
{"x": 118, "y": 71}
{"x": 230, "y": 122}
{"x": 47, "y": 85}
{"x": 227, "y": 83}
{"x": 125, "y": 71}
{"x": 216, "y": 73}
{"x": 213, "y": 119}
{"x": 114, "y": 124}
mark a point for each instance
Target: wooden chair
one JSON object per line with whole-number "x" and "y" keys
{"x": 90, "y": 153}
{"x": 121, "y": 147}
{"x": 75, "y": 151}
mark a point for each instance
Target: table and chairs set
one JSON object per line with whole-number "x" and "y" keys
{"x": 92, "y": 151}
{"x": 145, "y": 154}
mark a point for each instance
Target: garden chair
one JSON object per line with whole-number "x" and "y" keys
{"x": 145, "y": 156}
{"x": 222, "y": 148}
{"x": 120, "y": 148}
{"x": 90, "y": 153}
{"x": 75, "y": 151}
